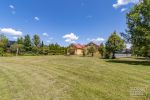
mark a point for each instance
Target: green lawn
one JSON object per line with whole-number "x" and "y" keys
{"x": 72, "y": 78}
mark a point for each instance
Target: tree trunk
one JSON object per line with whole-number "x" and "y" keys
{"x": 92, "y": 54}
{"x": 17, "y": 52}
{"x": 113, "y": 56}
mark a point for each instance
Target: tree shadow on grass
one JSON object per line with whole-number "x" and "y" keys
{"x": 131, "y": 62}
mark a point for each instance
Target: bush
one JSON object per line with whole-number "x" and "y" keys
{"x": 8, "y": 55}
{"x": 1, "y": 51}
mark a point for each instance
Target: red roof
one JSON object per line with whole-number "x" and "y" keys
{"x": 79, "y": 46}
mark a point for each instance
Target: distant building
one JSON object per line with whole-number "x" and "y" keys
{"x": 77, "y": 49}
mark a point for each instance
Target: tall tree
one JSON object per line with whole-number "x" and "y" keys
{"x": 138, "y": 32}
{"x": 3, "y": 43}
{"x": 114, "y": 44}
{"x": 42, "y": 44}
{"x": 18, "y": 46}
{"x": 36, "y": 40}
{"x": 101, "y": 49}
{"x": 20, "y": 40}
{"x": 27, "y": 43}
{"x": 91, "y": 50}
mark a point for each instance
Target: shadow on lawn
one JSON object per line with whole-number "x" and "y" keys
{"x": 130, "y": 62}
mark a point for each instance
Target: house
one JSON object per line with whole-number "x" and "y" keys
{"x": 76, "y": 49}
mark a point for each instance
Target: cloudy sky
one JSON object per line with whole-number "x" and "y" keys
{"x": 64, "y": 21}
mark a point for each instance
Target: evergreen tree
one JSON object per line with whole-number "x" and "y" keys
{"x": 42, "y": 44}
{"x": 20, "y": 40}
{"x": 36, "y": 40}
{"x": 27, "y": 43}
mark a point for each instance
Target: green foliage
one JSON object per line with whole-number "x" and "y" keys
{"x": 1, "y": 51}
{"x": 42, "y": 44}
{"x": 27, "y": 43}
{"x": 45, "y": 50}
{"x": 3, "y": 41}
{"x": 24, "y": 46}
{"x": 35, "y": 50}
{"x": 71, "y": 49}
{"x": 91, "y": 50}
{"x": 138, "y": 32}
{"x": 84, "y": 52}
{"x": 20, "y": 40}
{"x": 114, "y": 43}
{"x": 55, "y": 49}
{"x": 101, "y": 49}
{"x": 107, "y": 54}
{"x": 36, "y": 40}
{"x": 17, "y": 48}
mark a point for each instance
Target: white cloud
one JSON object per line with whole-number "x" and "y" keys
{"x": 124, "y": 2}
{"x": 98, "y": 40}
{"x": 11, "y": 6}
{"x": 49, "y": 40}
{"x": 11, "y": 31}
{"x": 45, "y": 34}
{"x": 37, "y": 18}
{"x": 123, "y": 9}
{"x": 12, "y": 9}
{"x": 70, "y": 38}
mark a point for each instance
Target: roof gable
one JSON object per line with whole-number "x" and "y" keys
{"x": 78, "y": 46}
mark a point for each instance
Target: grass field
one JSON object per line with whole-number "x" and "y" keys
{"x": 72, "y": 78}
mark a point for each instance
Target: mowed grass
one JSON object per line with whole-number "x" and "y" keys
{"x": 72, "y": 78}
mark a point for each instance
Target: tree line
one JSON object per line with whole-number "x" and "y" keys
{"x": 27, "y": 46}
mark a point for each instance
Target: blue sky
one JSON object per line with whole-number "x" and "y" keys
{"x": 64, "y": 21}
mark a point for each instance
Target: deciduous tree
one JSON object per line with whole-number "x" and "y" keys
{"x": 91, "y": 50}
{"x": 101, "y": 49}
{"x": 114, "y": 44}
{"x": 138, "y": 32}
{"x": 36, "y": 40}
